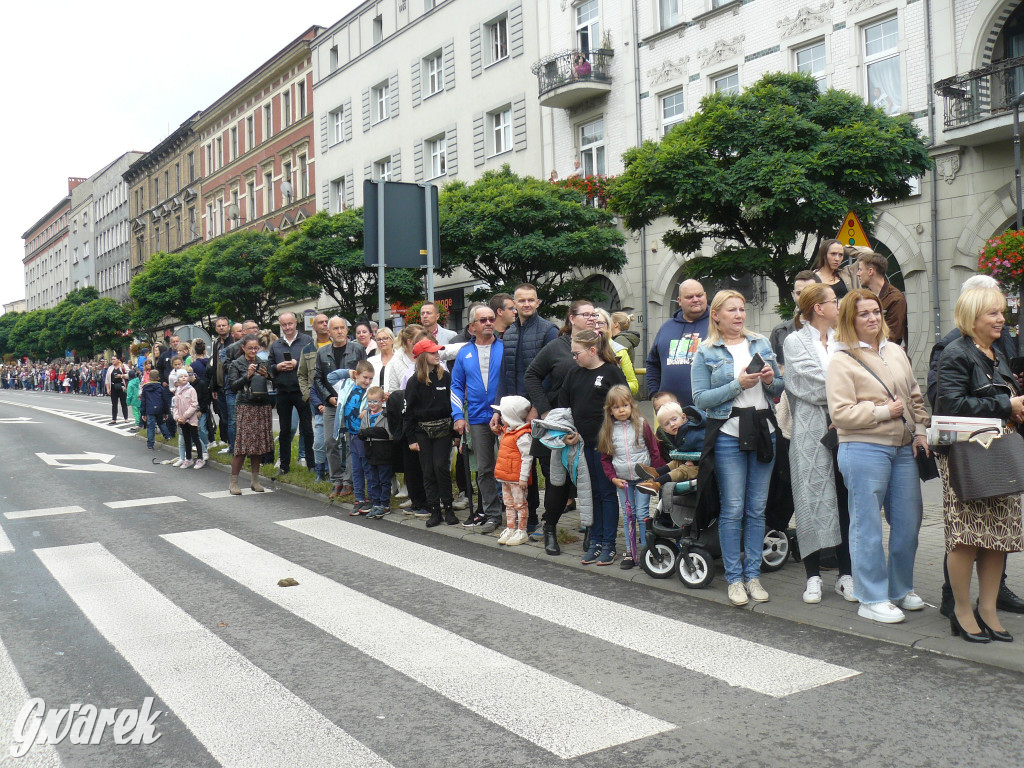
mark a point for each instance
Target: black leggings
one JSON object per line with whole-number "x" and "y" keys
{"x": 812, "y": 561}
{"x": 190, "y": 435}
{"x": 435, "y": 461}
{"x": 117, "y": 395}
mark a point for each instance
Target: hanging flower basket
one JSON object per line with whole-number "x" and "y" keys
{"x": 1003, "y": 258}
{"x": 593, "y": 188}
{"x": 412, "y": 314}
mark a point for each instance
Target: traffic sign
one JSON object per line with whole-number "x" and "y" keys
{"x": 852, "y": 233}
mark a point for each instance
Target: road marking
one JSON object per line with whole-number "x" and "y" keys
{"x": 101, "y": 462}
{"x": 42, "y": 512}
{"x": 554, "y": 714}
{"x": 129, "y": 503}
{"x": 5, "y": 546}
{"x": 225, "y": 494}
{"x": 20, "y": 420}
{"x": 733, "y": 660}
{"x": 13, "y": 696}
{"x": 237, "y": 711}
{"x": 74, "y": 416}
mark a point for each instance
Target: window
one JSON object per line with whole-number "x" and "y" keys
{"x": 438, "y": 157}
{"x": 727, "y": 83}
{"x": 250, "y": 200}
{"x": 220, "y": 214}
{"x": 671, "y": 12}
{"x": 339, "y": 188}
{"x": 268, "y": 117}
{"x": 378, "y": 29}
{"x": 497, "y": 40}
{"x": 671, "y": 110}
{"x": 250, "y": 133}
{"x": 177, "y": 177}
{"x": 287, "y": 193}
{"x": 382, "y": 169}
{"x": 812, "y": 61}
{"x": 193, "y": 227}
{"x": 167, "y": 183}
{"x": 882, "y": 62}
{"x": 191, "y": 167}
{"x": 234, "y": 142}
{"x": 588, "y": 28}
{"x": 286, "y": 108}
{"x": 156, "y": 196}
{"x": 300, "y": 89}
{"x": 218, "y": 159}
{"x": 303, "y": 177}
{"x": 428, "y": 4}
{"x": 268, "y": 192}
{"x": 379, "y": 98}
{"x": 435, "y": 74}
{"x": 501, "y": 131}
{"x": 334, "y": 57}
{"x": 592, "y": 148}
{"x": 337, "y": 126}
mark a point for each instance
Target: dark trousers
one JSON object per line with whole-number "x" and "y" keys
{"x": 285, "y": 402}
{"x": 413, "y": 477}
{"x": 435, "y": 462}
{"x": 555, "y": 499}
{"x": 117, "y": 395}
{"x": 221, "y": 404}
{"x": 191, "y": 437}
{"x": 172, "y": 425}
{"x": 533, "y": 492}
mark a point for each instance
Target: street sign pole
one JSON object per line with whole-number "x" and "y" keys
{"x": 428, "y": 199}
{"x": 381, "y": 305}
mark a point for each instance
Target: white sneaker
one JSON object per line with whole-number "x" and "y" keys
{"x": 302, "y": 462}
{"x": 405, "y": 504}
{"x": 506, "y": 535}
{"x": 812, "y": 594}
{"x": 886, "y": 612}
{"x": 277, "y": 464}
{"x": 200, "y": 464}
{"x": 226, "y": 450}
{"x": 757, "y": 593}
{"x": 177, "y": 462}
{"x": 460, "y": 502}
{"x": 186, "y": 464}
{"x": 518, "y": 537}
{"x": 912, "y": 602}
{"x": 844, "y": 587}
{"x": 737, "y": 594}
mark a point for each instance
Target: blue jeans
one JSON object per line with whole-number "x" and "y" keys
{"x": 606, "y": 505}
{"x": 295, "y": 420}
{"x": 743, "y": 486}
{"x": 638, "y": 505}
{"x": 882, "y": 476}
{"x": 378, "y": 484}
{"x": 151, "y": 424}
{"x": 319, "y": 452}
{"x": 204, "y": 433}
{"x": 357, "y": 452}
{"x": 229, "y": 397}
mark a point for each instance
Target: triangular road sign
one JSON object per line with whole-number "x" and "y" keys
{"x": 851, "y": 232}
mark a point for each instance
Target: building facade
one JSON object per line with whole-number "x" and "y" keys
{"x": 164, "y": 196}
{"x": 47, "y": 259}
{"x": 256, "y": 147}
{"x": 18, "y": 305}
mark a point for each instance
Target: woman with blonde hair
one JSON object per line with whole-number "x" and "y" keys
{"x": 735, "y": 378}
{"x": 974, "y": 379}
{"x": 876, "y": 405}
{"x": 603, "y": 325}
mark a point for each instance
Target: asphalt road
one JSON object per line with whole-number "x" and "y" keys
{"x": 403, "y": 648}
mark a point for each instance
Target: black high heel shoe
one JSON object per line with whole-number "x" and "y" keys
{"x": 1002, "y": 637}
{"x": 955, "y": 629}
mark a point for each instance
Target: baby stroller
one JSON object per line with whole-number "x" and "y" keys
{"x": 676, "y": 543}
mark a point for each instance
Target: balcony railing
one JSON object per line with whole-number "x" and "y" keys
{"x": 981, "y": 93}
{"x": 584, "y": 73}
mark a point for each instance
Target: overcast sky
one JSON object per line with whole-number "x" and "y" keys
{"x": 91, "y": 81}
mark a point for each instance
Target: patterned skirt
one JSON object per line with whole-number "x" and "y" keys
{"x": 254, "y": 430}
{"x": 987, "y": 523}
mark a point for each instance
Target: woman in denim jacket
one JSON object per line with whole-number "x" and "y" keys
{"x": 739, "y": 443}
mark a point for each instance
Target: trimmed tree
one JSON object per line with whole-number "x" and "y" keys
{"x": 768, "y": 174}
{"x": 505, "y": 229}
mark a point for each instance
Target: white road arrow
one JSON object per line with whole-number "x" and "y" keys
{"x": 19, "y": 420}
{"x": 99, "y": 462}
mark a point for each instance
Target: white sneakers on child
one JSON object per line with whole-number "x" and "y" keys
{"x": 518, "y": 537}
{"x": 505, "y": 535}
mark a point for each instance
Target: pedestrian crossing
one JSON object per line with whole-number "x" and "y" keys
{"x": 85, "y": 417}
{"x": 233, "y": 706}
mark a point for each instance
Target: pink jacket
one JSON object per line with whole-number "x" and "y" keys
{"x": 185, "y": 404}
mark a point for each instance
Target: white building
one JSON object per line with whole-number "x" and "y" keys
{"x": 47, "y": 257}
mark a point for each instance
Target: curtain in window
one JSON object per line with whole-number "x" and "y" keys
{"x": 885, "y": 89}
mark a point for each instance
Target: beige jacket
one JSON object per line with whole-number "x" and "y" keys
{"x": 858, "y": 404}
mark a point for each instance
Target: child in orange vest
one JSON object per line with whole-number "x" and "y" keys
{"x": 512, "y": 466}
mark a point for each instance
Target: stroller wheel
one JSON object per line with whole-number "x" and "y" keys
{"x": 703, "y": 569}
{"x": 776, "y": 550}
{"x": 658, "y": 558}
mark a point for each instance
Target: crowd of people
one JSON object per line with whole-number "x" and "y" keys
{"x": 827, "y": 406}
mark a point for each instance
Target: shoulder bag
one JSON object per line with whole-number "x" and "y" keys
{"x": 988, "y": 465}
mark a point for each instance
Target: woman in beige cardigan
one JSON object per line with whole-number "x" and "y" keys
{"x": 876, "y": 405}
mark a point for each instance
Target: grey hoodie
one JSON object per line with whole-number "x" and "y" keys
{"x": 567, "y": 461}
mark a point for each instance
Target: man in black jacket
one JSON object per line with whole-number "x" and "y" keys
{"x": 215, "y": 380}
{"x": 284, "y": 362}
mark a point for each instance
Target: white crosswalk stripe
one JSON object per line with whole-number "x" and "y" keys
{"x": 148, "y": 502}
{"x": 528, "y": 702}
{"x": 12, "y": 699}
{"x": 736, "y": 661}
{"x": 239, "y": 718}
{"x": 5, "y": 543}
{"x": 45, "y": 512}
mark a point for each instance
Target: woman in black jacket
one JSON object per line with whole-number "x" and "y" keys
{"x": 254, "y": 421}
{"x": 974, "y": 379}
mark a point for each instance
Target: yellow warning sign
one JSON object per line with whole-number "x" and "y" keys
{"x": 851, "y": 232}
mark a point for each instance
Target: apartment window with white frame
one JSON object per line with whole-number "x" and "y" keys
{"x": 300, "y": 89}
{"x": 378, "y": 29}
{"x": 338, "y": 125}
{"x": 303, "y": 178}
{"x": 588, "y": 26}
{"x": 501, "y": 130}
{"x": 379, "y": 98}
{"x": 218, "y": 152}
{"x": 382, "y": 169}
{"x": 882, "y": 65}
{"x": 268, "y": 192}
{"x": 670, "y": 12}
{"x": 671, "y": 110}
{"x": 811, "y": 59}
{"x": 286, "y": 108}
{"x": 250, "y": 200}
{"x": 250, "y": 133}
{"x": 438, "y": 149}
{"x": 729, "y": 82}
{"x": 268, "y": 121}
{"x": 339, "y": 188}
{"x": 234, "y": 142}
{"x": 434, "y": 71}
{"x": 592, "y": 148}
{"x": 497, "y": 40}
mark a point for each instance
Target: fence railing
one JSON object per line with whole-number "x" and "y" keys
{"x": 981, "y": 93}
{"x": 573, "y": 67}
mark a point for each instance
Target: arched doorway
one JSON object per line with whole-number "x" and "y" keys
{"x": 608, "y": 297}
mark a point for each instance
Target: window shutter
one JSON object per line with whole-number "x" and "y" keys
{"x": 347, "y": 121}
{"x": 417, "y": 159}
{"x": 366, "y": 110}
{"x": 324, "y": 139}
{"x": 350, "y": 189}
{"x": 325, "y": 196}
{"x": 476, "y": 54}
{"x": 393, "y": 95}
{"x": 452, "y": 148}
{"x": 448, "y": 59}
{"x": 479, "y": 149}
{"x": 396, "y": 165}
{"x": 519, "y": 123}
{"x": 515, "y": 30}
{"x": 368, "y": 171}
{"x": 417, "y": 69}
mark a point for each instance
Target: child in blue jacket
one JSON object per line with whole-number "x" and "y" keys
{"x": 154, "y": 409}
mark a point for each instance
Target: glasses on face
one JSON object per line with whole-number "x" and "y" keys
{"x": 382, "y": 339}
{"x": 601, "y": 322}
{"x": 588, "y": 315}
{"x": 830, "y": 301}
{"x": 489, "y": 320}
{"x": 576, "y": 355}
{"x": 373, "y": 402}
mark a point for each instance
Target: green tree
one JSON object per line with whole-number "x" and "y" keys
{"x": 100, "y": 325}
{"x": 326, "y": 253}
{"x": 28, "y": 337}
{"x": 505, "y": 229}
{"x": 767, "y": 174}
{"x": 231, "y": 275}
{"x": 7, "y": 323}
{"x": 165, "y": 288}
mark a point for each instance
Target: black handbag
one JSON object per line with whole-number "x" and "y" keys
{"x": 980, "y": 471}
{"x": 435, "y": 429}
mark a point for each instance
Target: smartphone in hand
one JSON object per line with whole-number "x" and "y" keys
{"x": 287, "y": 356}
{"x": 756, "y": 363}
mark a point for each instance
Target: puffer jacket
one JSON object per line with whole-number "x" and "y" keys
{"x": 628, "y": 454}
{"x": 567, "y": 461}
{"x": 522, "y": 343}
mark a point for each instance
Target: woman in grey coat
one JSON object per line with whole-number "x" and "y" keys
{"x": 819, "y": 495}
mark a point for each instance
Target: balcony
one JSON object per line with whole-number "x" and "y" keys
{"x": 571, "y": 77}
{"x": 978, "y": 105}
